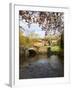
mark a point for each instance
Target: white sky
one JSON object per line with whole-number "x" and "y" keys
{"x": 33, "y": 28}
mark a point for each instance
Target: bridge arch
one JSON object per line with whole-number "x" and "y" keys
{"x": 32, "y": 51}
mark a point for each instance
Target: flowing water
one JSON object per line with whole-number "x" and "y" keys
{"x": 41, "y": 66}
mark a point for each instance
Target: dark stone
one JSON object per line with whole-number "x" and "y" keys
{"x": 32, "y": 53}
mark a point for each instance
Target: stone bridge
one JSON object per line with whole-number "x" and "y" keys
{"x": 32, "y": 51}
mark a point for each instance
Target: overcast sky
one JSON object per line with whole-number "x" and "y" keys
{"x": 33, "y": 28}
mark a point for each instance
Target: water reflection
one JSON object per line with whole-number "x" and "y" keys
{"x": 55, "y": 61}
{"x": 41, "y": 66}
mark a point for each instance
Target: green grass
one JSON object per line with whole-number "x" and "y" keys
{"x": 55, "y": 48}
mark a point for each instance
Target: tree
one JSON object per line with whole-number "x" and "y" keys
{"x": 62, "y": 40}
